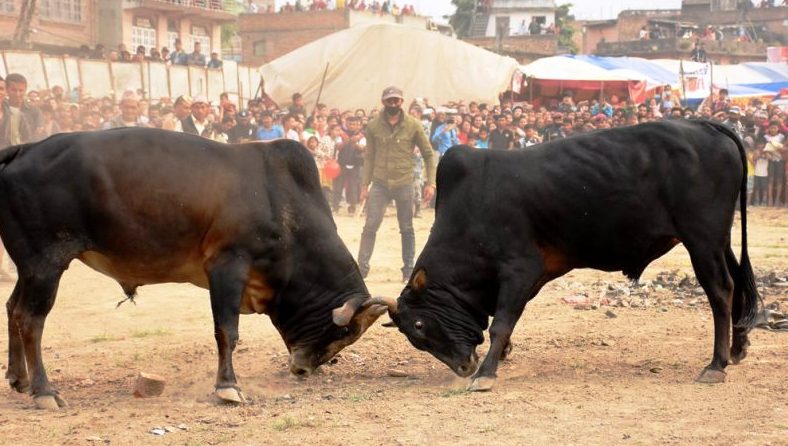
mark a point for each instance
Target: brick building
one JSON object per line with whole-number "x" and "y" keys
{"x": 265, "y": 37}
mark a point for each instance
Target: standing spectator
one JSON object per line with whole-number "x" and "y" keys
{"x": 155, "y": 55}
{"x": 215, "y": 62}
{"x": 129, "y": 113}
{"x": 350, "y": 156}
{"x": 297, "y": 107}
{"x": 388, "y": 174}
{"x": 13, "y": 130}
{"x": 251, "y": 7}
{"x": 554, "y": 130}
{"x": 774, "y": 150}
{"x": 734, "y": 122}
{"x": 502, "y": 138}
{"x": 445, "y": 136}
{"x": 244, "y": 130}
{"x": 602, "y": 107}
{"x": 98, "y": 52}
{"x": 531, "y": 137}
{"x": 698, "y": 53}
{"x": 760, "y": 195}
{"x": 567, "y": 105}
{"x": 165, "y": 55}
{"x": 16, "y": 90}
{"x": 325, "y": 151}
{"x": 291, "y": 128}
{"x": 182, "y": 108}
{"x": 722, "y": 103}
{"x": 534, "y": 28}
{"x": 268, "y": 130}
{"x": 178, "y": 55}
{"x": 643, "y": 33}
{"x": 49, "y": 125}
{"x": 197, "y": 122}
{"x": 668, "y": 101}
{"x": 197, "y": 58}
{"x": 482, "y": 141}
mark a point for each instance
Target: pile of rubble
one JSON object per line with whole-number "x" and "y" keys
{"x": 670, "y": 289}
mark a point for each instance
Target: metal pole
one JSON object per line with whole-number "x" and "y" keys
{"x": 320, "y": 91}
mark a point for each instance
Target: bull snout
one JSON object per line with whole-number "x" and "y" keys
{"x": 467, "y": 367}
{"x": 302, "y": 364}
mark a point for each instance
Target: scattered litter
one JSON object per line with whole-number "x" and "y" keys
{"x": 397, "y": 373}
{"x": 158, "y": 431}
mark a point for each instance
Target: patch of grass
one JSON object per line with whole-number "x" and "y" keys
{"x": 357, "y": 398}
{"x": 284, "y": 424}
{"x": 146, "y": 333}
{"x": 103, "y": 338}
{"x": 455, "y": 392}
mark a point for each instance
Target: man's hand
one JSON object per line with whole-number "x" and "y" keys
{"x": 429, "y": 192}
{"x": 364, "y": 194}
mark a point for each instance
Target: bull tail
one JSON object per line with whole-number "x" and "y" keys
{"x": 744, "y": 277}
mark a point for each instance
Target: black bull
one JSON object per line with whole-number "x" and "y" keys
{"x": 249, "y": 222}
{"x": 509, "y": 222}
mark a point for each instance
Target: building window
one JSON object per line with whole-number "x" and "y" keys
{"x": 200, "y": 34}
{"x": 62, "y": 10}
{"x": 260, "y": 48}
{"x": 143, "y": 33}
{"x": 7, "y": 6}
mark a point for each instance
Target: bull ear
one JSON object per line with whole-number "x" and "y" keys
{"x": 419, "y": 281}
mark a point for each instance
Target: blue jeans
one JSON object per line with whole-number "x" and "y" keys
{"x": 379, "y": 197}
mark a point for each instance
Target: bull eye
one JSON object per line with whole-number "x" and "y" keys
{"x": 345, "y": 331}
{"x": 419, "y": 325}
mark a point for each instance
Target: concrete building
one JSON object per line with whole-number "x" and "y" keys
{"x": 505, "y": 26}
{"x": 740, "y": 35}
{"x": 62, "y": 26}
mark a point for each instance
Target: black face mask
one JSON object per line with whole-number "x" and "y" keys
{"x": 392, "y": 111}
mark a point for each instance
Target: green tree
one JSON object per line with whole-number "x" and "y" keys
{"x": 461, "y": 19}
{"x": 230, "y": 30}
{"x": 566, "y": 29}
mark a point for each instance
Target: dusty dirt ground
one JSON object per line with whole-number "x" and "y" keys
{"x": 575, "y": 377}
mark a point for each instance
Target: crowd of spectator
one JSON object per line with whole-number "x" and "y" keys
{"x": 336, "y": 136}
{"x": 176, "y": 56}
{"x": 386, "y": 7}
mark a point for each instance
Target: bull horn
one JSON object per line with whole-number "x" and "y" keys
{"x": 342, "y": 315}
{"x": 388, "y": 302}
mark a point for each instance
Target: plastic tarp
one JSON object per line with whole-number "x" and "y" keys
{"x": 549, "y": 76}
{"x": 365, "y": 59}
{"x": 635, "y": 68}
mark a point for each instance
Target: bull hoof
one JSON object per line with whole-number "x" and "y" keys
{"x": 21, "y": 385}
{"x": 711, "y": 376}
{"x": 49, "y": 402}
{"x": 481, "y": 384}
{"x": 230, "y": 395}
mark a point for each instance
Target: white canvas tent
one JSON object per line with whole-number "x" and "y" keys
{"x": 364, "y": 60}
